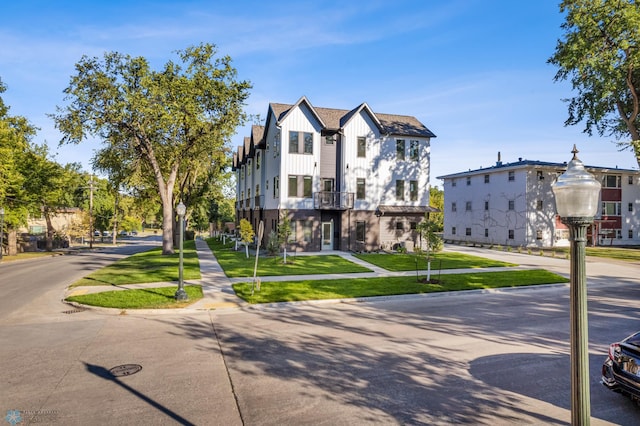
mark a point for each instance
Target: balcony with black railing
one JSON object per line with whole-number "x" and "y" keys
{"x": 326, "y": 200}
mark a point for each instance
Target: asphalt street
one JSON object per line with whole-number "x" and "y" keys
{"x": 496, "y": 358}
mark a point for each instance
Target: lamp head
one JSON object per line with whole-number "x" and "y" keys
{"x": 181, "y": 209}
{"x": 576, "y": 191}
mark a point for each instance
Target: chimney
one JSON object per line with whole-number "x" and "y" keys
{"x": 499, "y": 162}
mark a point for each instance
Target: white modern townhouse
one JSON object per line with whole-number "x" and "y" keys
{"x": 350, "y": 180}
{"x": 512, "y": 204}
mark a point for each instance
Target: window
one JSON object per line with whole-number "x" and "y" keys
{"x": 258, "y": 160}
{"x": 276, "y": 143}
{"x": 276, "y": 186}
{"x": 486, "y": 232}
{"x": 307, "y": 186}
{"x": 486, "y": 178}
{"x": 307, "y": 231}
{"x": 630, "y": 207}
{"x": 467, "y": 232}
{"x": 360, "y": 189}
{"x": 610, "y": 209}
{"x": 486, "y": 206}
{"x": 467, "y": 206}
{"x": 400, "y": 190}
{"x": 293, "y": 142}
{"x": 539, "y": 175}
{"x": 400, "y": 149}
{"x": 611, "y": 181}
{"x": 630, "y": 234}
{"x": 539, "y": 204}
{"x": 399, "y": 226}
{"x": 468, "y": 180}
{"x": 414, "y": 150}
{"x": 630, "y": 180}
{"x": 293, "y": 186}
{"x": 249, "y": 167}
{"x": 454, "y": 207}
{"x": 413, "y": 190}
{"x": 308, "y": 143}
{"x": 294, "y": 233}
{"x": 362, "y": 147}
{"x": 538, "y": 234}
{"x": 453, "y": 182}
{"x": 257, "y": 190}
{"x": 360, "y": 231}
{"x": 453, "y": 230}
{"x": 328, "y": 140}
{"x": 512, "y": 205}
{"x": 511, "y": 234}
{"x": 413, "y": 225}
{"x": 512, "y": 176}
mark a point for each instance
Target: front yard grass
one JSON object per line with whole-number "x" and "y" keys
{"x": 290, "y": 291}
{"x": 441, "y": 260}
{"x": 235, "y": 263}
{"x": 147, "y": 298}
{"x": 146, "y": 267}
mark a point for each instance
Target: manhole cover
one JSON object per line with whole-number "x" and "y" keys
{"x": 125, "y": 370}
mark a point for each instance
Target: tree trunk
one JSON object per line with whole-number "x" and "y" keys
{"x": 12, "y": 242}
{"x": 167, "y": 224}
{"x": 50, "y": 230}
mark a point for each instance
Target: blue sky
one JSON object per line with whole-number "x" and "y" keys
{"x": 474, "y": 72}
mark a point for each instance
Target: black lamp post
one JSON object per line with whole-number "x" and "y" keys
{"x": 577, "y": 194}
{"x": 181, "y": 294}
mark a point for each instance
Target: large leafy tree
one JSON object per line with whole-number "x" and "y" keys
{"x": 159, "y": 122}
{"x": 600, "y": 55}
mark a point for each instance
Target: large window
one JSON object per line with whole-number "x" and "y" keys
{"x": 360, "y": 231}
{"x": 400, "y": 190}
{"x": 307, "y": 186}
{"x": 293, "y": 142}
{"x": 414, "y": 150}
{"x": 360, "y": 189}
{"x": 611, "y": 209}
{"x": 362, "y": 147}
{"x": 307, "y": 231}
{"x": 400, "y": 149}
{"x": 611, "y": 181}
{"x": 293, "y": 186}
{"x": 308, "y": 143}
{"x": 413, "y": 190}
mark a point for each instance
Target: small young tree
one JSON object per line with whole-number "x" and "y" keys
{"x": 427, "y": 230}
{"x": 273, "y": 243}
{"x": 284, "y": 232}
{"x": 246, "y": 234}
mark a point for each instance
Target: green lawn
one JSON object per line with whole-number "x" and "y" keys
{"x": 442, "y": 260}
{"x": 148, "y": 298}
{"x": 290, "y": 291}
{"x": 235, "y": 263}
{"x": 631, "y": 254}
{"x": 147, "y": 267}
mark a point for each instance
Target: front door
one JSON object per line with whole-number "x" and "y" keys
{"x": 327, "y": 235}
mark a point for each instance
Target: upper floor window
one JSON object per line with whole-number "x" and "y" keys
{"x": 630, "y": 180}
{"x": 276, "y": 186}
{"x": 611, "y": 181}
{"x": 453, "y": 182}
{"x": 329, "y": 140}
{"x": 360, "y": 189}
{"x": 400, "y": 190}
{"x": 467, "y": 206}
{"x": 486, "y": 205}
{"x": 295, "y": 191}
{"x": 276, "y": 143}
{"x": 539, "y": 204}
{"x": 362, "y": 147}
{"x": 512, "y": 205}
{"x": 512, "y": 176}
{"x": 414, "y": 150}
{"x": 400, "y": 149}
{"x": 539, "y": 175}
{"x": 486, "y": 178}
{"x": 454, "y": 207}
{"x": 413, "y": 190}
{"x": 611, "y": 209}
{"x": 307, "y": 187}
{"x": 258, "y": 160}
{"x": 294, "y": 142}
{"x": 468, "y": 180}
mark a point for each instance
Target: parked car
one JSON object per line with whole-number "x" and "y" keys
{"x": 96, "y": 233}
{"x": 621, "y": 369}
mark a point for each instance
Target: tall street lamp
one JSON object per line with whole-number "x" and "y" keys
{"x": 577, "y": 193}
{"x": 1, "y": 230}
{"x": 181, "y": 294}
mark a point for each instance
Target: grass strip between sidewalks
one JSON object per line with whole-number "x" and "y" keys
{"x": 236, "y": 264}
{"x": 147, "y": 267}
{"x": 441, "y": 260}
{"x": 147, "y": 298}
{"x": 289, "y": 291}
